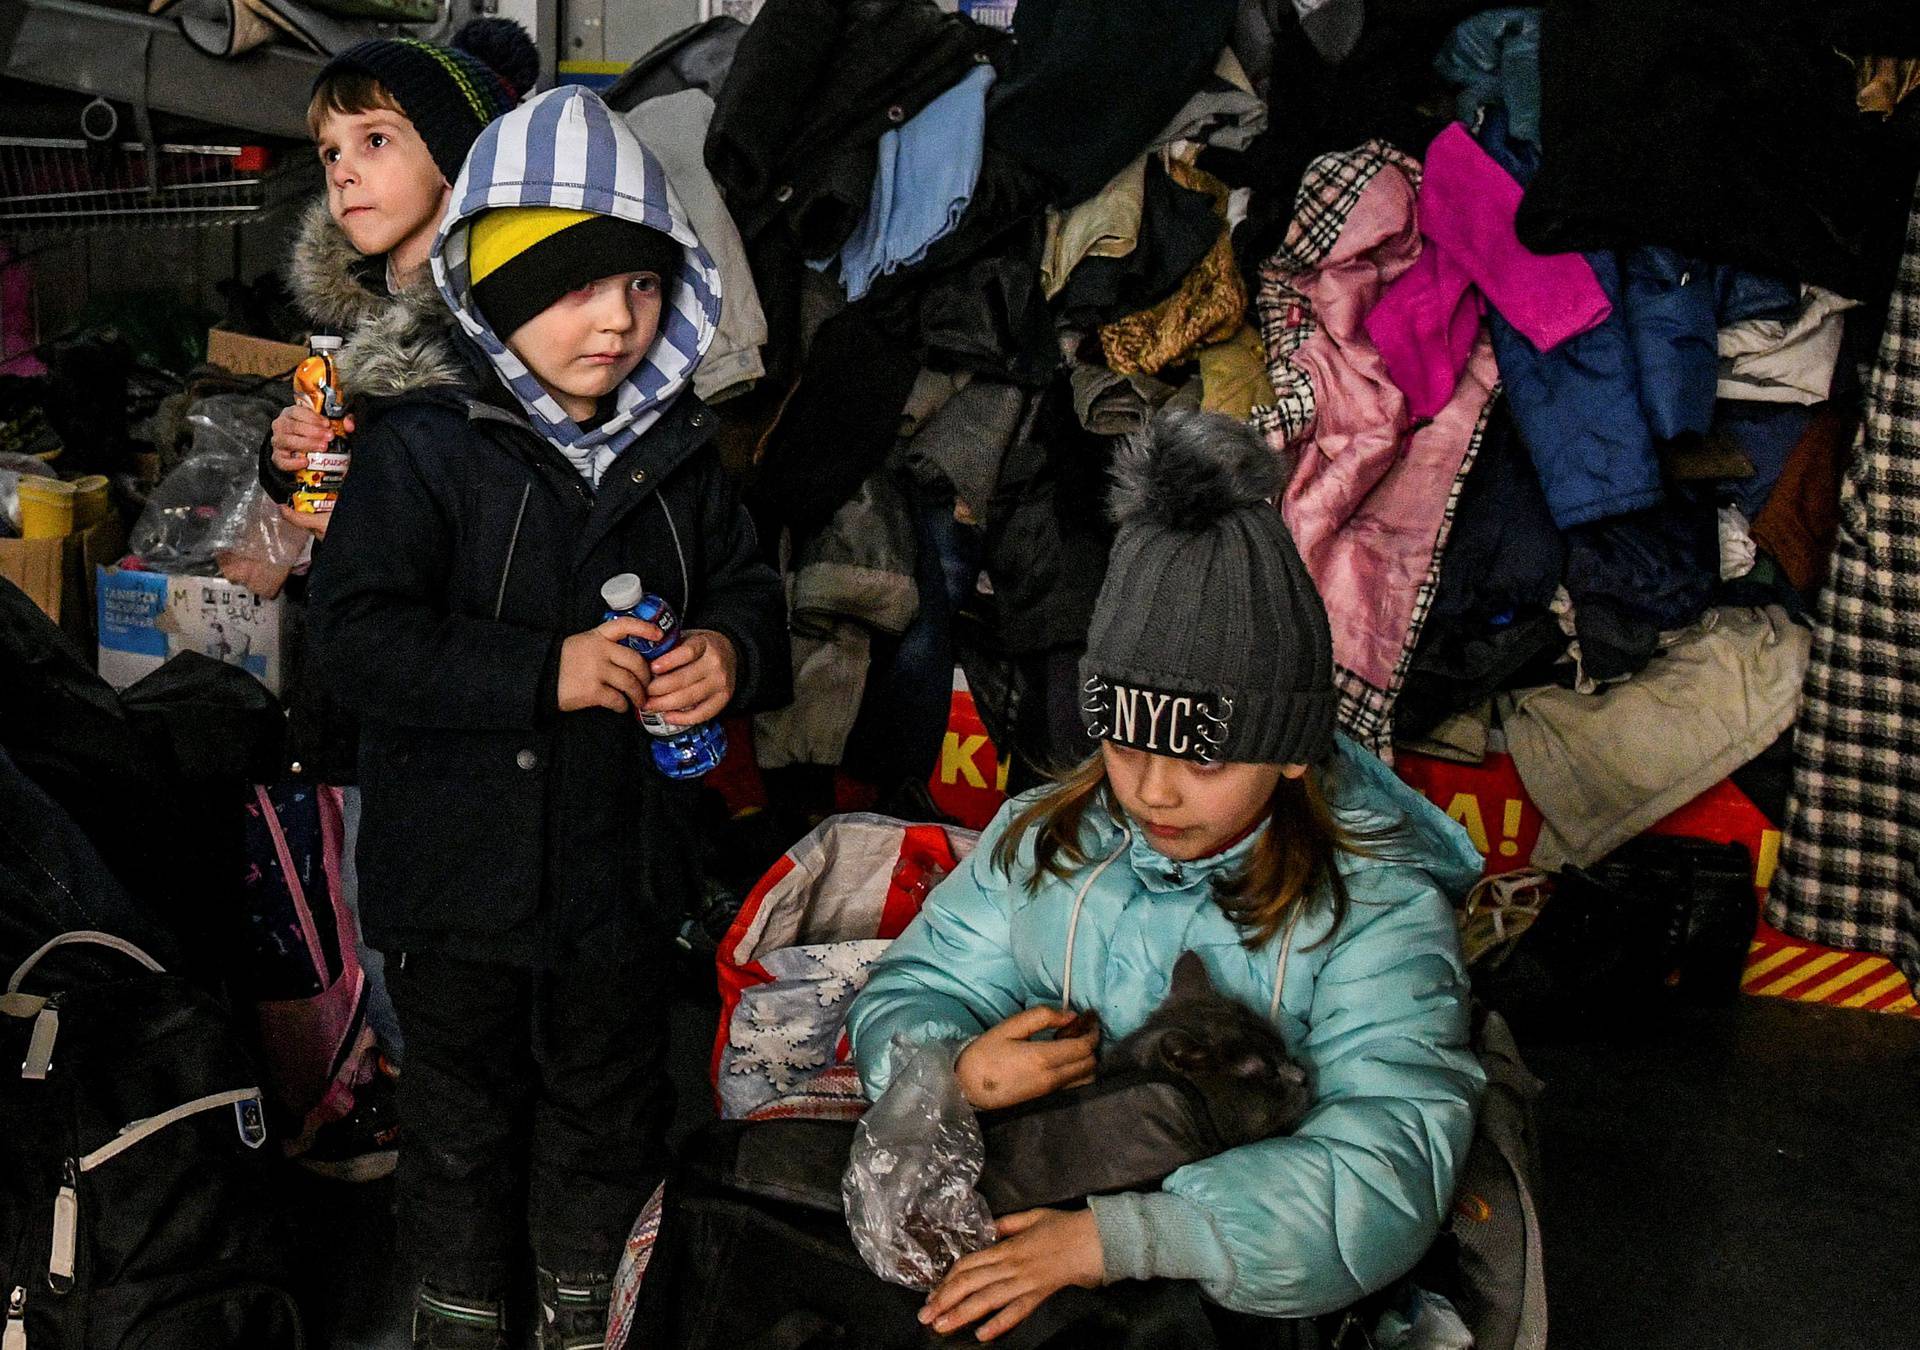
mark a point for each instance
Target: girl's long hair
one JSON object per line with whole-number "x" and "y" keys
{"x": 1295, "y": 858}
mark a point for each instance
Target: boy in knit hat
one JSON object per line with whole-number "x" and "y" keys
{"x": 523, "y": 857}
{"x": 392, "y": 120}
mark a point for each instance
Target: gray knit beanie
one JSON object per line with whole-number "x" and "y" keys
{"x": 1209, "y": 641}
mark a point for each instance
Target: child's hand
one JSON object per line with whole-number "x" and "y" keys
{"x": 1040, "y": 1252}
{"x": 693, "y": 682}
{"x": 1005, "y": 1066}
{"x": 313, "y": 523}
{"x": 264, "y": 579}
{"x": 298, "y": 432}
{"x": 597, "y": 671}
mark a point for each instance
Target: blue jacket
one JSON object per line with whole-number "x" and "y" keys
{"x": 1287, "y": 1227}
{"x": 1594, "y": 410}
{"x": 1493, "y": 57}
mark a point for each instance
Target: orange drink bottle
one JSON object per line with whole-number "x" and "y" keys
{"x": 316, "y": 383}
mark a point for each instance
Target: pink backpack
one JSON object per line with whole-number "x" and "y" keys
{"x": 300, "y": 972}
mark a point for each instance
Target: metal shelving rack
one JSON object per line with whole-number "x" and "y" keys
{"x": 58, "y": 184}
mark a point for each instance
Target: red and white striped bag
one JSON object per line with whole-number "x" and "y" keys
{"x": 797, "y": 953}
{"x": 800, "y": 948}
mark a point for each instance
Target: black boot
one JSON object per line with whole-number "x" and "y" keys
{"x": 573, "y": 1310}
{"x": 456, "y": 1322}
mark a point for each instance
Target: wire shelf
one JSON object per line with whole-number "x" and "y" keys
{"x": 52, "y": 184}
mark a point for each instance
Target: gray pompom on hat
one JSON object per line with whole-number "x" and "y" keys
{"x": 1209, "y": 641}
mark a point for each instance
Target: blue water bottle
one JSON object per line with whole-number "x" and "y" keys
{"x": 679, "y": 752}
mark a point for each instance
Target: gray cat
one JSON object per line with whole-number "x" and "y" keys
{"x": 1232, "y": 1056}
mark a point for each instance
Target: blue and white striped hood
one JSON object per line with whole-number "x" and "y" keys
{"x": 564, "y": 148}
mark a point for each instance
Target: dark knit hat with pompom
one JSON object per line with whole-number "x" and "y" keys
{"x": 1209, "y": 641}
{"x": 448, "y": 92}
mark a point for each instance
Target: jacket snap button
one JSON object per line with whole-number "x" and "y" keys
{"x": 783, "y": 193}
{"x": 294, "y": 767}
{"x": 526, "y": 759}
{"x": 639, "y": 475}
{"x": 896, "y": 113}
{"x": 699, "y": 418}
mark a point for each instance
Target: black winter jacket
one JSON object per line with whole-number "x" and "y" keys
{"x": 464, "y": 549}
{"x": 813, "y": 86}
{"x": 394, "y": 344}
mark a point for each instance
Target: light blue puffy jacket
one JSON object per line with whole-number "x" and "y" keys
{"x": 1287, "y": 1227}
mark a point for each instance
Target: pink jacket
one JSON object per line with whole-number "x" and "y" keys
{"x": 1425, "y": 323}
{"x": 1369, "y": 498}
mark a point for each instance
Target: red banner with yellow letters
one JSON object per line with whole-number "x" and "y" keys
{"x": 1492, "y": 805}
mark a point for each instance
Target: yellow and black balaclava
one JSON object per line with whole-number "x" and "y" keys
{"x": 523, "y": 258}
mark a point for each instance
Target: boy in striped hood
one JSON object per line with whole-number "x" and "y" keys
{"x": 527, "y": 858}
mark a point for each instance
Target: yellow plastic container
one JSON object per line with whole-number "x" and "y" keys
{"x": 51, "y": 508}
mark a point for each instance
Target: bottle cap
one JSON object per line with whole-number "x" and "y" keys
{"x": 324, "y": 342}
{"x": 623, "y": 591}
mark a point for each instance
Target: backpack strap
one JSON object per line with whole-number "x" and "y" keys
{"x": 78, "y": 936}
{"x": 1509, "y": 1125}
{"x": 1494, "y": 1213}
{"x": 290, "y": 878}
{"x": 45, "y": 1013}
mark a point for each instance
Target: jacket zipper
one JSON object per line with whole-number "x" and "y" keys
{"x": 66, "y": 1205}
{"x": 500, "y": 596}
{"x": 16, "y": 1338}
{"x": 686, "y": 583}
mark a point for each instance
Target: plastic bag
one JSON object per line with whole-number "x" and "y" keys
{"x": 251, "y": 526}
{"x": 14, "y": 467}
{"x": 1425, "y": 1321}
{"x": 909, "y": 1186}
{"x": 176, "y": 532}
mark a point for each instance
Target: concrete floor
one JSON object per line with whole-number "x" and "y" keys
{"x": 1744, "y": 1178}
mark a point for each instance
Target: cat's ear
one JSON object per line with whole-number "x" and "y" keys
{"x": 1190, "y": 977}
{"x": 1180, "y": 1051}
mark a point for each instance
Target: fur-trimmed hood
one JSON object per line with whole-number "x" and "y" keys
{"x": 395, "y": 344}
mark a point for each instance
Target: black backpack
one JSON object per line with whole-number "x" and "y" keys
{"x": 1660, "y": 920}
{"x": 134, "y": 1207}
{"x": 753, "y": 1253}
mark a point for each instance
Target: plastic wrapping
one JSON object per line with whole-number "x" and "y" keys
{"x": 13, "y": 467}
{"x": 1422, "y": 1321}
{"x": 251, "y": 526}
{"x": 909, "y": 1186}
{"x": 177, "y": 531}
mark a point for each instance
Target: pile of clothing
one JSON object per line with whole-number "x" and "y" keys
{"x": 1558, "y": 316}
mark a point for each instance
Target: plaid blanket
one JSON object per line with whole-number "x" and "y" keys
{"x": 1329, "y": 190}
{"x": 1847, "y": 875}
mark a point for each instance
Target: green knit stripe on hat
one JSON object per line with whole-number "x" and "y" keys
{"x": 484, "y": 108}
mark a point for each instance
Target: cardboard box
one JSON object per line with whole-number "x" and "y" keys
{"x": 245, "y": 355}
{"x": 147, "y": 617}
{"x": 58, "y": 574}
